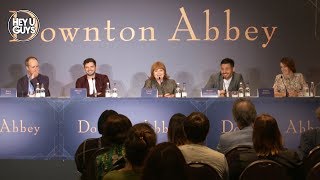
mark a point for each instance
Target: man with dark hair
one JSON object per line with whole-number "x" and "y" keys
{"x": 196, "y": 127}
{"x": 227, "y": 79}
{"x": 95, "y": 83}
{"x": 244, "y": 114}
{"x": 26, "y": 85}
{"x": 309, "y": 139}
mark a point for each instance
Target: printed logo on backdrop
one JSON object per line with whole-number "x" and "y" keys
{"x": 23, "y": 25}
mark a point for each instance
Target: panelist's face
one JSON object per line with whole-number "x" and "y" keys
{"x": 90, "y": 68}
{"x": 284, "y": 69}
{"x": 226, "y": 70}
{"x": 33, "y": 66}
{"x": 158, "y": 73}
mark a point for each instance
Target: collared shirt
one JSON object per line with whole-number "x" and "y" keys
{"x": 92, "y": 86}
{"x": 226, "y": 83}
{"x": 30, "y": 86}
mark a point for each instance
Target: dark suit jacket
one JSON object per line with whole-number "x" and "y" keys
{"x": 23, "y": 88}
{"x": 101, "y": 81}
{"x": 216, "y": 81}
{"x": 309, "y": 140}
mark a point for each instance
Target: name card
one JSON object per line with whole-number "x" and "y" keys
{"x": 8, "y": 92}
{"x": 145, "y": 92}
{"x": 78, "y": 93}
{"x": 209, "y": 92}
{"x": 265, "y": 92}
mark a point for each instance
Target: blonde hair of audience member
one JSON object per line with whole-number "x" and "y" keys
{"x": 266, "y": 136}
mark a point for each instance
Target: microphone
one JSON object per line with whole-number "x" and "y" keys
{"x": 287, "y": 94}
{"x": 94, "y": 87}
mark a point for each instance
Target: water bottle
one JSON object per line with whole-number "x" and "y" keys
{"x": 114, "y": 91}
{"x": 306, "y": 91}
{"x": 184, "y": 91}
{"x": 247, "y": 90}
{"x": 312, "y": 90}
{"x": 178, "y": 91}
{"x": 241, "y": 90}
{"x": 38, "y": 94}
{"x": 42, "y": 91}
{"x": 108, "y": 90}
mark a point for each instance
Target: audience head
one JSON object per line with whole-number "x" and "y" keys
{"x": 196, "y": 127}
{"x": 103, "y": 117}
{"x": 318, "y": 113}
{"x": 116, "y": 128}
{"x": 266, "y": 136}
{"x": 287, "y": 66}
{"x": 141, "y": 138}
{"x": 244, "y": 112}
{"x": 227, "y": 68}
{"x": 165, "y": 161}
{"x": 176, "y": 132}
{"x": 158, "y": 69}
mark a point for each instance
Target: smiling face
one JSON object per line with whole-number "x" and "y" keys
{"x": 158, "y": 73}
{"x": 90, "y": 68}
{"x": 285, "y": 69}
{"x": 226, "y": 70}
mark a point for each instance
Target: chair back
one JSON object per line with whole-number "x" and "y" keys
{"x": 264, "y": 170}
{"x": 312, "y": 159}
{"x": 314, "y": 173}
{"x": 238, "y": 159}
{"x": 198, "y": 170}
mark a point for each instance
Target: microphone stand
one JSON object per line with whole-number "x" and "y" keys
{"x": 287, "y": 94}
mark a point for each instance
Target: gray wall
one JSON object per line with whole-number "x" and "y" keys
{"x": 128, "y": 63}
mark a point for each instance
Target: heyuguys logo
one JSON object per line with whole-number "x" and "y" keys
{"x": 23, "y": 25}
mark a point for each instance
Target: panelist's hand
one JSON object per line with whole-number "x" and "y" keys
{"x": 293, "y": 93}
{"x": 35, "y": 74}
{"x": 222, "y": 93}
{"x": 169, "y": 95}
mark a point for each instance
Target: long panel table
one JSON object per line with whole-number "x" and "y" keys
{"x": 52, "y": 128}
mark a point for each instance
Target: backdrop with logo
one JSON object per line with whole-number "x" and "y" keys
{"x": 53, "y": 128}
{"x": 190, "y": 37}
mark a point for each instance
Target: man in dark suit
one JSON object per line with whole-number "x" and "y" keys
{"x": 244, "y": 114}
{"x": 26, "y": 85}
{"x": 309, "y": 139}
{"x": 226, "y": 79}
{"x": 95, "y": 83}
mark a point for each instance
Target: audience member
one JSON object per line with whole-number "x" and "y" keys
{"x": 141, "y": 138}
{"x": 165, "y": 162}
{"x": 268, "y": 144}
{"x": 89, "y": 146}
{"x": 196, "y": 127}
{"x": 176, "y": 132}
{"x": 244, "y": 114}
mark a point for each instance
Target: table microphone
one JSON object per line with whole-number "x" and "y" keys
{"x": 287, "y": 94}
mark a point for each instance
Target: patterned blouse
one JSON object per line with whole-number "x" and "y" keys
{"x": 295, "y": 82}
{"x": 105, "y": 161}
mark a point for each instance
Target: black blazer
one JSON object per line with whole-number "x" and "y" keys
{"x": 22, "y": 85}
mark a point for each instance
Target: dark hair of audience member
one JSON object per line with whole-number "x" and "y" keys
{"x": 244, "y": 112}
{"x": 103, "y": 117}
{"x": 165, "y": 161}
{"x": 141, "y": 138}
{"x": 196, "y": 127}
{"x": 266, "y": 137}
{"x": 116, "y": 128}
{"x": 176, "y": 132}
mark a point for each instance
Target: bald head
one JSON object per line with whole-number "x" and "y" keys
{"x": 244, "y": 112}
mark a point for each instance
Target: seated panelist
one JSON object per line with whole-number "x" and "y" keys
{"x": 160, "y": 80}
